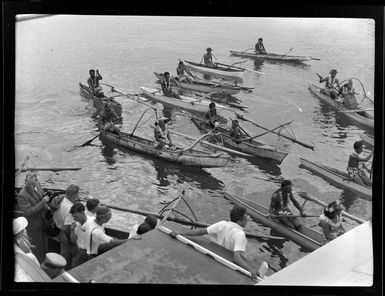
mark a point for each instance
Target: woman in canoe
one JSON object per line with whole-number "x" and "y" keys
{"x": 347, "y": 91}
{"x": 332, "y": 85}
{"x": 162, "y": 136}
{"x": 259, "y": 47}
{"x": 331, "y": 221}
{"x": 356, "y": 165}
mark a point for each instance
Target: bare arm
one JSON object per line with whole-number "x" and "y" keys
{"x": 274, "y": 200}
{"x": 239, "y": 259}
{"x": 194, "y": 232}
{"x": 296, "y": 204}
{"x": 326, "y": 231}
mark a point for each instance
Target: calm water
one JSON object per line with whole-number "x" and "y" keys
{"x": 54, "y": 54}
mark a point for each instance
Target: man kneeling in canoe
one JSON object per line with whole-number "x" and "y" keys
{"x": 162, "y": 136}
{"x": 107, "y": 118}
{"x": 229, "y": 234}
{"x": 356, "y": 165}
{"x": 279, "y": 206}
{"x": 167, "y": 88}
{"x": 332, "y": 85}
{"x": 93, "y": 83}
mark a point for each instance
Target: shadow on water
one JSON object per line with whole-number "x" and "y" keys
{"x": 258, "y": 64}
{"x": 266, "y": 165}
{"x": 165, "y": 169}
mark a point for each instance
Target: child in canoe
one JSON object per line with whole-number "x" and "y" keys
{"x": 331, "y": 221}
{"x": 356, "y": 165}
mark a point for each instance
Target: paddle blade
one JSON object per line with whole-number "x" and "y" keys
{"x": 263, "y": 269}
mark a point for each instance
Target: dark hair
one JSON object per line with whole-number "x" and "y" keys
{"x": 260, "y": 39}
{"x": 92, "y": 203}
{"x": 285, "y": 183}
{"x": 143, "y": 228}
{"x": 237, "y": 213}
{"x": 357, "y": 145}
{"x": 151, "y": 220}
{"x": 212, "y": 104}
{"x": 166, "y": 73}
{"x": 78, "y": 207}
{"x": 92, "y": 70}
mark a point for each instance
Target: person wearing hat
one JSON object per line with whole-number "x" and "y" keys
{"x": 259, "y": 47}
{"x": 32, "y": 202}
{"x": 137, "y": 230}
{"x": 211, "y": 117}
{"x": 107, "y": 118}
{"x": 356, "y": 165}
{"x": 167, "y": 88}
{"x": 162, "y": 136}
{"x": 348, "y": 95}
{"x": 279, "y": 206}
{"x": 230, "y": 235}
{"x": 21, "y": 239}
{"x": 98, "y": 241}
{"x": 332, "y": 85}
{"x": 208, "y": 58}
{"x": 331, "y": 221}
{"x": 53, "y": 265}
{"x": 93, "y": 83}
{"x": 91, "y": 205}
{"x": 63, "y": 220}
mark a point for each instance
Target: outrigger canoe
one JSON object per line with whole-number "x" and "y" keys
{"x": 251, "y": 147}
{"x": 191, "y": 157}
{"x": 271, "y": 56}
{"x": 360, "y": 117}
{"x": 207, "y": 86}
{"x": 226, "y": 72}
{"x": 338, "y": 178}
{"x": 368, "y": 139}
{"x": 306, "y": 237}
{"x": 188, "y": 103}
{"x": 99, "y": 102}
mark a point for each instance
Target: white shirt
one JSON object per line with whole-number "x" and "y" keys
{"x": 90, "y": 214}
{"x": 62, "y": 215}
{"x": 229, "y": 235}
{"x": 81, "y": 235}
{"x": 98, "y": 237}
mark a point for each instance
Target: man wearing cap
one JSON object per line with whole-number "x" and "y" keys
{"x": 348, "y": 94}
{"x": 167, "y": 88}
{"x": 107, "y": 118}
{"x": 208, "y": 58}
{"x": 91, "y": 205}
{"x": 78, "y": 233}
{"x": 53, "y": 265}
{"x": 32, "y": 202}
{"x": 63, "y": 220}
{"x": 98, "y": 241}
{"x": 259, "y": 47}
{"x": 332, "y": 85}
{"x": 93, "y": 83}
{"x": 230, "y": 235}
{"x": 162, "y": 136}
{"x": 211, "y": 117}
{"x": 279, "y": 206}
{"x": 21, "y": 239}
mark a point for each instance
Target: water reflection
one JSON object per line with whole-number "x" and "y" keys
{"x": 259, "y": 62}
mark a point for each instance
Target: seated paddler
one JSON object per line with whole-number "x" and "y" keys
{"x": 235, "y": 130}
{"x": 107, "y": 118}
{"x": 348, "y": 94}
{"x": 167, "y": 88}
{"x": 162, "y": 138}
{"x": 357, "y": 167}
{"x": 93, "y": 83}
{"x": 211, "y": 117}
{"x": 259, "y": 47}
{"x": 181, "y": 75}
{"x": 332, "y": 85}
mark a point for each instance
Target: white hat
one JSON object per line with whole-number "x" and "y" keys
{"x": 19, "y": 224}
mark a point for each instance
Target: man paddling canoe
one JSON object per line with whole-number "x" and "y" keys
{"x": 348, "y": 94}
{"x": 211, "y": 116}
{"x": 180, "y": 72}
{"x": 208, "y": 58}
{"x": 259, "y": 47}
{"x": 162, "y": 136}
{"x": 167, "y": 88}
{"x": 107, "y": 118}
{"x": 331, "y": 221}
{"x": 356, "y": 165}
{"x": 229, "y": 234}
{"x": 332, "y": 85}
{"x": 279, "y": 206}
{"x": 93, "y": 83}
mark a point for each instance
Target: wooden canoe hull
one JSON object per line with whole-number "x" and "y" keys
{"x": 220, "y": 72}
{"x": 338, "y": 178}
{"x": 190, "y": 158}
{"x": 187, "y": 103}
{"x": 99, "y": 102}
{"x": 356, "y": 117}
{"x": 206, "y": 87}
{"x": 250, "y": 147}
{"x": 307, "y": 238}
{"x": 271, "y": 56}
{"x": 367, "y": 139}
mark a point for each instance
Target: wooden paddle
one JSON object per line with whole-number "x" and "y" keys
{"x": 315, "y": 59}
{"x": 258, "y": 72}
{"x": 293, "y": 216}
{"x": 355, "y": 110}
{"x": 52, "y": 169}
{"x": 305, "y": 196}
{"x": 89, "y": 141}
{"x": 337, "y": 90}
{"x": 240, "y": 116}
{"x": 288, "y": 52}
